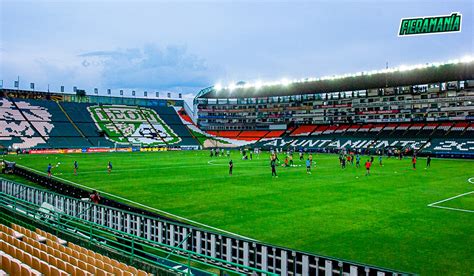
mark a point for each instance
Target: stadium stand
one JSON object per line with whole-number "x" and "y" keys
{"x": 253, "y": 134}
{"x": 352, "y": 129}
{"x": 427, "y": 129}
{"x": 246, "y": 135}
{"x": 274, "y": 133}
{"x": 29, "y": 123}
{"x": 303, "y": 130}
{"x": 424, "y": 138}
{"x": 341, "y": 129}
{"x": 442, "y": 129}
{"x": 319, "y": 130}
{"x": 469, "y": 132}
{"x": 45, "y": 253}
{"x": 398, "y": 108}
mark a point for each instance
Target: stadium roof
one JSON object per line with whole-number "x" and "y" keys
{"x": 393, "y": 77}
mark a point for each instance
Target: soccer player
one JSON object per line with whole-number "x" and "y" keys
{"x": 380, "y": 160}
{"x": 231, "y": 166}
{"x": 109, "y": 167}
{"x": 291, "y": 160}
{"x": 273, "y": 165}
{"x": 308, "y": 166}
{"x": 49, "y": 170}
{"x": 368, "y": 164}
{"x": 76, "y": 166}
{"x": 413, "y": 161}
{"x": 428, "y": 161}
{"x": 358, "y": 161}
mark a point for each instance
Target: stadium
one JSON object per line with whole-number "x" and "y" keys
{"x": 363, "y": 173}
{"x": 224, "y": 223}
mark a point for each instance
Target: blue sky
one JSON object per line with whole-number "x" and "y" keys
{"x": 184, "y": 46}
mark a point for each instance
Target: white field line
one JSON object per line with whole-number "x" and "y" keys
{"x": 448, "y": 199}
{"x": 147, "y": 207}
{"x": 434, "y": 204}
{"x": 453, "y": 209}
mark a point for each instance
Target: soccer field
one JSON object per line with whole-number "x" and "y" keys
{"x": 419, "y": 221}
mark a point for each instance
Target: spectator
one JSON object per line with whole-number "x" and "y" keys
{"x": 95, "y": 197}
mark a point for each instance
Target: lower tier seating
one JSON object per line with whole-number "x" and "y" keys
{"x": 40, "y": 252}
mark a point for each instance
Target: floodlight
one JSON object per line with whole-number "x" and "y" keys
{"x": 467, "y": 59}
{"x": 217, "y": 86}
{"x": 284, "y": 82}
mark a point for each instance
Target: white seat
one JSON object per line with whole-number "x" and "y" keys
{"x": 17, "y": 235}
{"x": 40, "y": 238}
{"x": 62, "y": 242}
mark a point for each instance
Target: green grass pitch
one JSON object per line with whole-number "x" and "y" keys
{"x": 383, "y": 219}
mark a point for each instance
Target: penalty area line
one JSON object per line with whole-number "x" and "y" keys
{"x": 450, "y": 208}
{"x": 145, "y": 206}
{"x": 448, "y": 199}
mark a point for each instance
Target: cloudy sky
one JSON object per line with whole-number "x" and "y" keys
{"x": 184, "y": 46}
